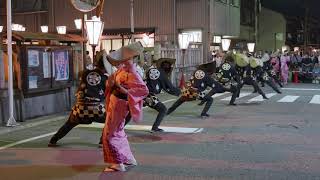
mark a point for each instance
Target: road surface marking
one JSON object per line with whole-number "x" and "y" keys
{"x": 288, "y": 99}
{"x": 260, "y": 99}
{"x": 164, "y": 102}
{"x": 148, "y": 128}
{"x": 300, "y": 89}
{"x": 241, "y": 96}
{"x": 50, "y": 134}
{"x": 220, "y": 94}
{"x": 315, "y": 99}
{"x": 170, "y": 100}
{"x": 26, "y": 140}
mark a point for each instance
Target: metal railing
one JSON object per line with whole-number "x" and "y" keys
{"x": 193, "y": 58}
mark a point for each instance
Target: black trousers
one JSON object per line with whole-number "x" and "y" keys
{"x": 162, "y": 111}
{"x": 276, "y": 79}
{"x": 234, "y": 91}
{"x": 271, "y": 84}
{"x": 70, "y": 124}
{"x": 253, "y": 83}
{"x": 208, "y": 99}
{"x": 221, "y": 89}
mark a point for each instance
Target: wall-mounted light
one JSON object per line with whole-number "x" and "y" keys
{"x": 18, "y": 27}
{"x": 217, "y": 39}
{"x": 225, "y": 44}
{"x": 61, "y": 29}
{"x": 44, "y": 29}
{"x": 251, "y": 47}
{"x": 295, "y": 49}
{"x": 78, "y": 23}
{"x": 1, "y": 28}
{"x": 15, "y": 27}
{"x": 146, "y": 40}
{"x": 284, "y": 48}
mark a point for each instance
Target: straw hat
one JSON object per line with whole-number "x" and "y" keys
{"x": 125, "y": 53}
{"x": 209, "y": 67}
{"x": 162, "y": 60}
{"x": 241, "y": 60}
{"x": 255, "y": 62}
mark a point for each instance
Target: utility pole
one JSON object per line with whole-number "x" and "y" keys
{"x": 256, "y": 21}
{"x": 175, "y": 23}
{"x": 132, "y": 19}
{"x": 306, "y": 25}
{"x": 11, "y": 122}
{"x": 2, "y": 78}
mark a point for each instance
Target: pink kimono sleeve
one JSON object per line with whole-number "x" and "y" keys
{"x": 136, "y": 93}
{"x": 107, "y": 92}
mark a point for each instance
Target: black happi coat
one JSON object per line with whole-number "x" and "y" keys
{"x": 157, "y": 80}
{"x": 228, "y": 75}
{"x": 90, "y": 97}
{"x": 267, "y": 66}
{"x": 247, "y": 74}
{"x": 92, "y": 85}
{"x": 200, "y": 81}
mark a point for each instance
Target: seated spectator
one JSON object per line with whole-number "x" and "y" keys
{"x": 295, "y": 61}
{"x": 316, "y": 73}
{"x": 307, "y": 64}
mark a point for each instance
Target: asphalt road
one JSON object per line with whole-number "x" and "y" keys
{"x": 277, "y": 139}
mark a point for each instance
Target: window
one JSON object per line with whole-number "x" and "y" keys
{"x": 116, "y": 44}
{"x": 235, "y": 3}
{"x": 106, "y": 45}
{"x": 145, "y": 43}
{"x": 193, "y": 35}
{"x": 247, "y": 17}
{"x": 223, "y": 1}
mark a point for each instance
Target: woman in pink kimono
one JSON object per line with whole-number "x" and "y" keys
{"x": 125, "y": 91}
{"x": 285, "y": 59}
{"x": 275, "y": 64}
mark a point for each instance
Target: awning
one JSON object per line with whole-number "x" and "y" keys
{"x": 30, "y": 36}
{"x": 127, "y": 31}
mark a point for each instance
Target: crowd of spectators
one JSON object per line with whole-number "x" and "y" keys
{"x": 306, "y": 65}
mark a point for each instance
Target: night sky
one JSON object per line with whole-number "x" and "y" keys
{"x": 293, "y": 7}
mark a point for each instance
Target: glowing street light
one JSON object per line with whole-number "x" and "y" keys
{"x": 184, "y": 41}
{"x": 251, "y": 47}
{"x": 94, "y": 28}
{"x": 62, "y": 29}
{"x": 226, "y": 44}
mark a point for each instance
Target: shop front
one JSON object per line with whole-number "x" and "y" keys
{"x": 45, "y": 68}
